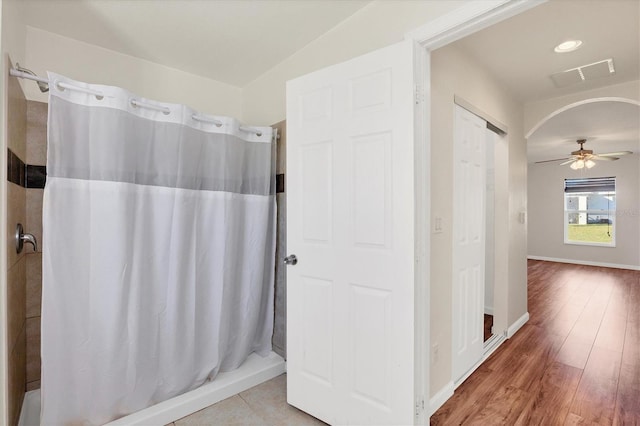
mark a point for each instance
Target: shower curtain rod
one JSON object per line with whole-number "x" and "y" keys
{"x": 21, "y": 74}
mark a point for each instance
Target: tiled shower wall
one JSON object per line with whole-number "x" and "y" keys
{"x": 279, "y": 340}
{"x": 36, "y": 115}
{"x": 16, "y": 263}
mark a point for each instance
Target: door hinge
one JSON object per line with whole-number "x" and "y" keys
{"x": 418, "y": 94}
{"x": 419, "y": 406}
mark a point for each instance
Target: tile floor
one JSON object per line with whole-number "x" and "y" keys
{"x": 265, "y": 404}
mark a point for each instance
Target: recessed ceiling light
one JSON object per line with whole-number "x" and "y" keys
{"x": 568, "y": 46}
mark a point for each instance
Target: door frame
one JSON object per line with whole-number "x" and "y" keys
{"x": 4, "y": 347}
{"x": 437, "y": 33}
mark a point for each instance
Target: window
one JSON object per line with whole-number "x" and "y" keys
{"x": 589, "y": 211}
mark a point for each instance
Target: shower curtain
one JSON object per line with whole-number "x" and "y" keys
{"x": 158, "y": 251}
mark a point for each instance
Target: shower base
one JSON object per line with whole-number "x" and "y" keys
{"x": 254, "y": 371}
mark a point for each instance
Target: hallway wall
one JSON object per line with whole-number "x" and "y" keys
{"x": 454, "y": 72}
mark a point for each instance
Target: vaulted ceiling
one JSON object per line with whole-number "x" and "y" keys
{"x": 235, "y": 41}
{"x": 231, "y": 41}
{"x": 608, "y": 126}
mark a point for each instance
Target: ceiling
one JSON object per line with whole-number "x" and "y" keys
{"x": 607, "y": 127}
{"x": 231, "y": 41}
{"x": 236, "y": 41}
{"x": 519, "y": 53}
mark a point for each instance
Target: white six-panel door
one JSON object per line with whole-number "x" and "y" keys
{"x": 350, "y": 222}
{"x": 469, "y": 189}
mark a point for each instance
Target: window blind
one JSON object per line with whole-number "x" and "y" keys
{"x": 600, "y": 184}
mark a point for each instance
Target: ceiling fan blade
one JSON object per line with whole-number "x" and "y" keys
{"x": 614, "y": 154}
{"x": 600, "y": 157}
{"x": 557, "y": 159}
{"x": 568, "y": 161}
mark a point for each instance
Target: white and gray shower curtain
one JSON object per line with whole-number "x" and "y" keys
{"x": 158, "y": 251}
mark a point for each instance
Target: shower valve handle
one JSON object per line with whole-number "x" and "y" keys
{"x": 22, "y": 237}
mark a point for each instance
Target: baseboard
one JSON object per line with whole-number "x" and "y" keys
{"x": 440, "y": 398}
{"x": 490, "y": 346}
{"x": 446, "y": 392}
{"x": 586, "y": 262}
{"x": 513, "y": 328}
{"x": 488, "y": 310}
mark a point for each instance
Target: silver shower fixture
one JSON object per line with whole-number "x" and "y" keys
{"x": 44, "y": 87}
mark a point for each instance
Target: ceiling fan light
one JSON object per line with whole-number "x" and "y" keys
{"x": 577, "y": 165}
{"x": 589, "y": 163}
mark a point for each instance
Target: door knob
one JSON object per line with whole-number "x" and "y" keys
{"x": 21, "y": 238}
{"x": 291, "y": 260}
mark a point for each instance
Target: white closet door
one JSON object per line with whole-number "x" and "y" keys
{"x": 468, "y": 240}
{"x": 350, "y": 222}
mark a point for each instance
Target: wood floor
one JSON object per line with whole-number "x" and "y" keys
{"x": 577, "y": 360}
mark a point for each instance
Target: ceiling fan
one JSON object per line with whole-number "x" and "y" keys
{"x": 585, "y": 157}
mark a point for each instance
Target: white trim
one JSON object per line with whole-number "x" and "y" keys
{"x": 422, "y": 226}
{"x": 586, "y": 262}
{"x": 30, "y": 411}
{"x": 577, "y": 104}
{"x": 440, "y": 398}
{"x": 488, "y": 310}
{"x": 253, "y": 371}
{"x": 513, "y": 328}
{"x": 587, "y": 212}
{"x": 468, "y": 19}
{"x": 585, "y": 243}
{"x": 469, "y": 372}
{"x": 443, "y": 395}
{"x": 493, "y": 344}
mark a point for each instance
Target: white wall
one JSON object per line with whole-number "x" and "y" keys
{"x": 455, "y": 73}
{"x": 546, "y": 212}
{"x": 13, "y": 30}
{"x": 378, "y": 24}
{"x": 93, "y": 64}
